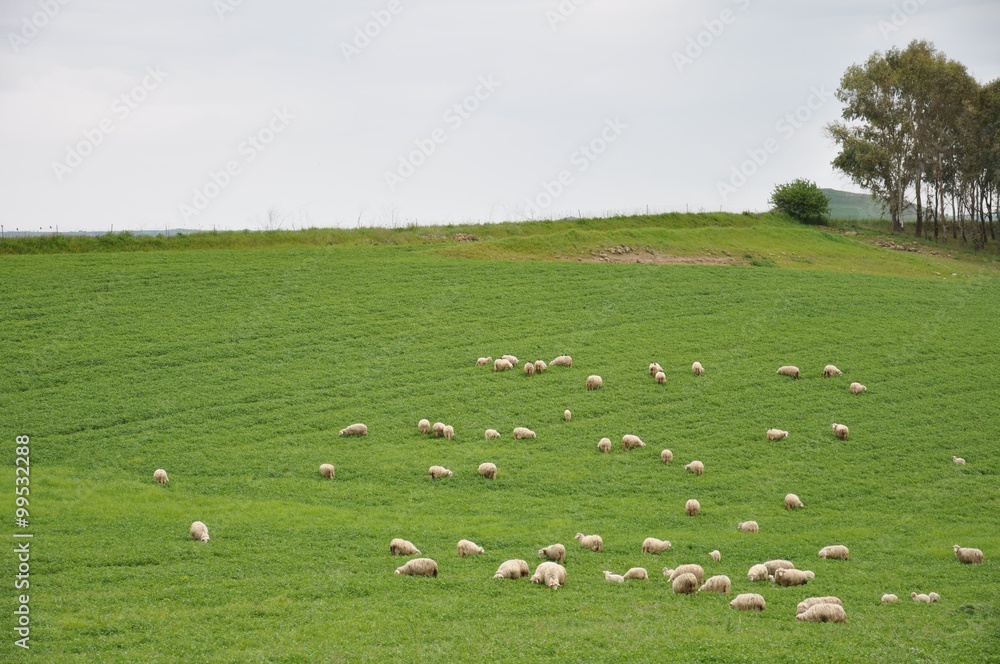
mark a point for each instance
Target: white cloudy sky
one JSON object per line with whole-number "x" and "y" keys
{"x": 346, "y": 121}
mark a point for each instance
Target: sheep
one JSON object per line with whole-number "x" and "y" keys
{"x": 934, "y": 597}
{"x": 835, "y": 552}
{"x": 696, "y": 467}
{"x": 553, "y": 575}
{"x": 488, "y": 470}
{"x": 613, "y": 578}
{"x": 923, "y": 599}
{"x": 653, "y": 545}
{"x": 824, "y": 613}
{"x": 512, "y": 359}
{"x": 655, "y": 368}
{"x": 199, "y": 531}
{"x": 858, "y": 388}
{"x": 424, "y": 426}
{"x": 160, "y": 476}
{"x": 483, "y": 361}
{"x": 402, "y": 547}
{"x": 520, "y": 433}
{"x": 773, "y": 566}
{"x": 468, "y": 548}
{"x": 958, "y": 461}
{"x": 594, "y": 383}
{"x": 666, "y": 456}
{"x": 841, "y": 431}
{"x": 449, "y": 432}
{"x": 540, "y": 366}
{"x": 715, "y": 555}
{"x": 789, "y": 371}
{"x": 807, "y": 604}
{"x": 968, "y": 556}
{"x": 438, "y": 429}
{"x": 697, "y": 369}
{"x": 792, "y": 577}
{"x": 776, "y": 434}
{"x": 529, "y": 369}
{"x": 502, "y": 365}
{"x": 717, "y": 584}
{"x": 830, "y": 371}
{"x": 562, "y": 361}
{"x": 419, "y": 567}
{"x": 661, "y": 378}
{"x": 592, "y": 542}
{"x": 327, "y": 470}
{"x": 792, "y": 502}
{"x": 685, "y": 584}
{"x": 355, "y": 430}
{"x": 631, "y": 442}
{"x": 492, "y": 434}
{"x": 604, "y": 445}
{"x": 513, "y": 569}
{"x": 692, "y": 507}
{"x": 748, "y": 527}
{"x": 697, "y": 570}
{"x": 758, "y": 573}
{"x": 748, "y": 602}
{"x": 889, "y": 598}
{"x": 437, "y": 472}
{"x": 555, "y": 552}
{"x": 567, "y": 415}
{"x": 637, "y": 574}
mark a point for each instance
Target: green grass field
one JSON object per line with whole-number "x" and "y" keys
{"x": 234, "y": 370}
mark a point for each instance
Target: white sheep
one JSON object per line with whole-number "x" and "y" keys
{"x": 841, "y": 431}
{"x": 424, "y": 426}
{"x": 199, "y": 531}
{"x": 748, "y": 602}
{"x": 697, "y": 570}
{"x": 776, "y": 434}
{"x": 958, "y": 461}
{"x": 807, "y": 604}
{"x": 438, "y": 429}
{"x": 666, "y": 456}
{"x": 562, "y": 361}
{"x": 567, "y": 415}
{"x": 637, "y": 574}
{"x": 402, "y": 547}
{"x": 655, "y": 368}
{"x": 934, "y": 597}
{"x": 758, "y": 573}
{"x": 492, "y": 434}
{"x": 685, "y": 584}
{"x": 513, "y": 569}
{"x": 604, "y": 445}
{"x": 968, "y": 556}
{"x": 792, "y": 502}
{"x": 773, "y": 566}
{"x": 512, "y": 359}
{"x": 692, "y": 507}
{"x": 437, "y": 472}
{"x": 468, "y": 548}
{"x": 717, "y": 584}
{"x": 923, "y": 599}
{"x": 540, "y": 366}
{"x": 697, "y": 369}
{"x": 789, "y": 371}
{"x": 552, "y": 575}
{"x": 483, "y": 361}
{"x": 449, "y": 432}
{"x": 160, "y": 476}
{"x": 835, "y": 552}
{"x": 520, "y": 433}
{"x": 661, "y": 378}
{"x": 696, "y": 467}
{"x": 555, "y": 552}
{"x": 824, "y": 613}
{"x": 592, "y": 542}
{"x": 613, "y": 578}
{"x": 889, "y": 598}
{"x": 355, "y": 430}
{"x": 715, "y": 555}
{"x": 529, "y": 369}
{"x": 793, "y": 577}
{"x": 327, "y": 470}
{"x": 594, "y": 383}
{"x": 830, "y": 371}
{"x": 653, "y": 545}
{"x": 502, "y": 365}
{"x": 419, "y": 567}
{"x": 748, "y": 527}
{"x": 488, "y": 470}
{"x": 858, "y": 388}
{"x": 630, "y": 442}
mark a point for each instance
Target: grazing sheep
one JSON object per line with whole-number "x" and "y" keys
{"x": 562, "y": 361}
{"x": 492, "y": 434}
{"x": 697, "y": 369}
{"x": 934, "y": 597}
{"x": 199, "y": 531}
{"x": 835, "y": 552}
{"x": 773, "y": 566}
{"x": 327, "y": 471}
{"x": 521, "y": 433}
{"x": 160, "y": 476}
{"x": 692, "y": 507}
{"x": 776, "y": 434}
{"x": 824, "y": 613}
{"x": 512, "y": 359}
{"x": 717, "y": 584}
{"x": 715, "y": 555}
{"x": 792, "y": 502}
{"x": 637, "y": 574}
{"x": 513, "y": 569}
{"x": 556, "y": 552}
{"x": 419, "y": 567}
{"x": 483, "y": 361}
{"x": 923, "y": 599}
{"x": 696, "y": 570}
{"x": 758, "y": 573}
{"x": 502, "y": 365}
{"x": 685, "y": 584}
{"x": 604, "y": 445}
{"x": 666, "y": 456}
{"x": 488, "y": 470}
{"x": 661, "y": 378}
{"x": 959, "y": 461}
{"x": 540, "y": 366}
{"x": 437, "y": 472}
{"x": 424, "y": 426}
{"x": 748, "y": 527}
{"x": 529, "y": 369}
{"x": 889, "y": 598}
{"x": 841, "y": 431}
{"x": 653, "y": 545}
{"x": 696, "y": 467}
{"x": 613, "y": 578}
{"x": 631, "y": 442}
{"x": 438, "y": 429}
{"x": 748, "y": 602}
{"x": 402, "y": 547}
{"x": 968, "y": 556}
{"x": 592, "y": 542}
{"x": 830, "y": 371}
{"x": 807, "y": 604}
{"x": 594, "y": 383}
{"x": 655, "y": 368}
{"x": 567, "y": 415}
{"x": 789, "y": 371}
{"x": 553, "y": 575}
{"x": 355, "y": 430}
{"x": 858, "y": 388}
{"x": 468, "y": 548}
{"x": 792, "y": 577}
{"x": 449, "y": 432}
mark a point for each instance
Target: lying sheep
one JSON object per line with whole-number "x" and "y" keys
{"x": 492, "y": 434}
{"x": 529, "y": 369}
{"x": 613, "y": 578}
{"x": 717, "y": 584}
{"x": 419, "y": 567}
{"x": 958, "y": 461}
{"x": 835, "y": 552}
{"x": 521, "y": 433}
{"x": 824, "y": 613}
{"x": 655, "y": 368}
{"x": 553, "y": 575}
{"x": 327, "y": 470}
{"x": 661, "y": 378}
{"x": 697, "y": 570}
{"x": 793, "y": 577}
{"x": 697, "y": 369}
{"x": 841, "y": 431}
{"x": 776, "y": 434}
{"x": 513, "y": 569}
{"x": 160, "y": 476}
{"x": 789, "y": 371}
{"x": 685, "y": 584}
{"x": 567, "y": 415}
{"x": 666, "y": 456}
{"x": 438, "y": 429}
{"x": 438, "y": 472}
{"x": 758, "y": 573}
{"x": 637, "y": 574}
{"x": 604, "y": 445}
{"x": 748, "y": 602}
{"x": 355, "y": 430}
{"x": 692, "y": 507}
{"x": 968, "y": 556}
{"x": 830, "y": 371}
{"x": 512, "y": 359}
{"x": 807, "y": 604}
{"x": 468, "y": 548}
{"x": 858, "y": 388}
{"x": 773, "y": 566}
{"x": 594, "y": 383}
{"x": 630, "y": 442}
{"x": 653, "y": 545}
{"x": 424, "y": 426}
{"x": 923, "y": 599}
{"x": 792, "y": 502}
{"x": 488, "y": 470}
{"x": 889, "y": 598}
{"x": 592, "y": 542}
{"x": 502, "y": 365}
{"x": 562, "y": 361}
{"x": 540, "y": 366}
{"x": 555, "y": 552}
{"x": 715, "y": 555}
{"x": 402, "y": 547}
{"x": 449, "y": 432}
{"x": 696, "y": 467}
{"x": 199, "y": 531}
{"x": 748, "y": 527}
{"x": 483, "y": 361}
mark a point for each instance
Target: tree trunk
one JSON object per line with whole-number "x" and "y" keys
{"x": 920, "y": 217}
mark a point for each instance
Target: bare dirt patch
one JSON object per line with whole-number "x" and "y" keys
{"x": 649, "y": 256}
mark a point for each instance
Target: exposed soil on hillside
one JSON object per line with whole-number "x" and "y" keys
{"x": 649, "y": 256}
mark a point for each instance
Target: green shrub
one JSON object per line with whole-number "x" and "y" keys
{"x": 802, "y": 200}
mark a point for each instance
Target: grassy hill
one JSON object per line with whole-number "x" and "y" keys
{"x": 846, "y": 205}
{"x": 234, "y": 369}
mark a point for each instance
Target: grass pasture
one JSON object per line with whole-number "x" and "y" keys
{"x": 234, "y": 369}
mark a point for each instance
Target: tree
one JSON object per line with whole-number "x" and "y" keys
{"x": 803, "y": 200}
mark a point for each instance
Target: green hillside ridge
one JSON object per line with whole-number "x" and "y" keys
{"x": 849, "y": 206}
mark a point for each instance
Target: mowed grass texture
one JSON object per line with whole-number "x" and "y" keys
{"x": 234, "y": 370}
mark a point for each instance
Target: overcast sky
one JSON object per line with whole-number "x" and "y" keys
{"x": 207, "y": 113}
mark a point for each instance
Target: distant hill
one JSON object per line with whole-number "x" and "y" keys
{"x": 848, "y": 205}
